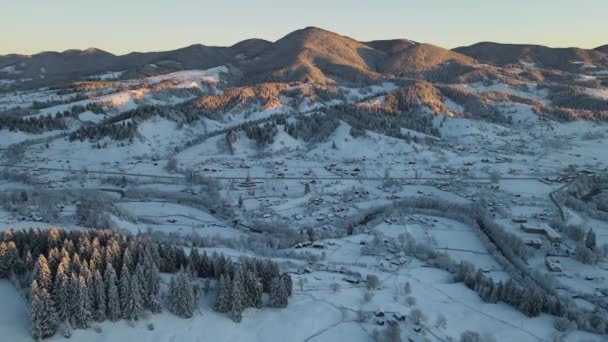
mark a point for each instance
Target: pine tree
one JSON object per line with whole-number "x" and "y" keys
{"x": 8, "y": 257}
{"x": 181, "y": 295}
{"x": 195, "y": 261}
{"x": 113, "y": 308}
{"x": 80, "y": 314}
{"x": 76, "y": 263}
{"x": 140, "y": 276}
{"x": 224, "y": 293}
{"x": 218, "y": 266}
{"x": 43, "y": 315}
{"x": 127, "y": 259}
{"x": 205, "y": 269}
{"x": 250, "y": 284}
{"x": 124, "y": 290}
{"x": 62, "y": 290}
{"x": 269, "y": 270}
{"x": 133, "y": 307}
{"x": 95, "y": 262}
{"x": 237, "y": 296}
{"x": 99, "y": 303}
{"x": 278, "y": 293}
{"x": 152, "y": 285}
{"x": 42, "y": 273}
{"x": 60, "y": 273}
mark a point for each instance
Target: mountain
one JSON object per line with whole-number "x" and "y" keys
{"x": 315, "y": 55}
{"x": 418, "y": 58}
{"x": 603, "y": 48}
{"x": 59, "y": 64}
{"x": 311, "y": 55}
{"x": 555, "y": 58}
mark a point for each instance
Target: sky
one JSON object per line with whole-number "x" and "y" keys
{"x": 122, "y": 26}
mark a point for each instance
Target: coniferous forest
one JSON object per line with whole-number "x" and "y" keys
{"x": 72, "y": 279}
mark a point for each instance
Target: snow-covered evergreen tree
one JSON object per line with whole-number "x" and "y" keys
{"x": 181, "y": 295}
{"x": 251, "y": 285}
{"x": 62, "y": 290}
{"x": 76, "y": 263}
{"x": 124, "y": 290}
{"x": 270, "y": 270}
{"x": 114, "y": 311}
{"x": 224, "y": 294}
{"x": 140, "y": 276}
{"x": 127, "y": 259}
{"x": 8, "y": 257}
{"x": 152, "y": 280}
{"x": 278, "y": 293}
{"x": 132, "y": 309}
{"x": 237, "y": 296}
{"x": 79, "y": 314}
{"x": 205, "y": 268}
{"x": 195, "y": 261}
{"x": 42, "y": 273}
{"x": 42, "y": 312}
{"x": 99, "y": 291}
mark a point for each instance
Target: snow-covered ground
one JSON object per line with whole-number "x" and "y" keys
{"x": 324, "y": 187}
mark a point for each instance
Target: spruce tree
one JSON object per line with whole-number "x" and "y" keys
{"x": 124, "y": 290}
{"x": 43, "y": 315}
{"x": 60, "y": 273}
{"x": 133, "y": 307}
{"x": 152, "y": 280}
{"x": 62, "y": 290}
{"x": 140, "y": 276}
{"x": 278, "y": 293}
{"x": 224, "y": 294}
{"x": 270, "y": 270}
{"x": 8, "y": 257}
{"x": 76, "y": 263}
{"x": 181, "y": 295}
{"x": 258, "y": 292}
{"x": 113, "y": 308}
{"x": 99, "y": 291}
{"x": 205, "y": 269}
{"x": 95, "y": 262}
{"x": 195, "y": 261}
{"x": 42, "y": 273}
{"x": 237, "y": 296}
{"x": 127, "y": 259}
{"x": 249, "y": 283}
{"x": 80, "y": 314}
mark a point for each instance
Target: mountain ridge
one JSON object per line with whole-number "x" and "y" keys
{"x": 310, "y": 54}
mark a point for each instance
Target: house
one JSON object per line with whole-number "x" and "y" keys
{"x": 536, "y": 243}
{"x": 519, "y": 219}
{"x": 542, "y": 229}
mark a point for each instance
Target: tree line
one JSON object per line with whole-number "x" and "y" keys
{"x": 44, "y": 123}
{"x": 75, "y": 278}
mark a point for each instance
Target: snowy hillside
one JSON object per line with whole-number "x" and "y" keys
{"x": 366, "y": 197}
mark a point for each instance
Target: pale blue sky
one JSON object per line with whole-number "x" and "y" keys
{"x": 120, "y": 26}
